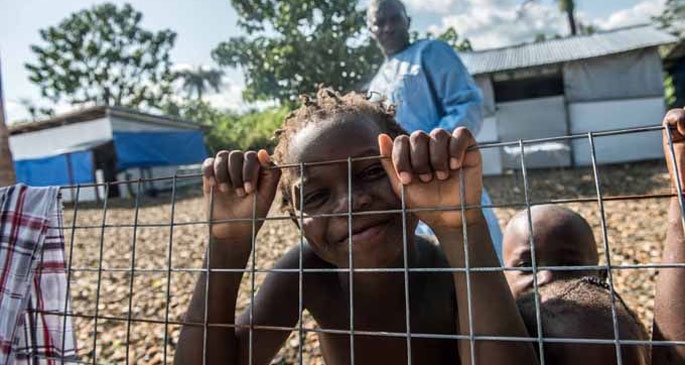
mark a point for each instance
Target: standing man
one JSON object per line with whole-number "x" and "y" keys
{"x": 427, "y": 82}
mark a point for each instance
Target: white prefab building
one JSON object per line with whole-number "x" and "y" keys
{"x": 104, "y": 144}
{"x": 605, "y": 81}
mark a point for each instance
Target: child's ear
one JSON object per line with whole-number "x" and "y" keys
{"x": 294, "y": 217}
{"x": 603, "y": 275}
{"x": 287, "y": 207}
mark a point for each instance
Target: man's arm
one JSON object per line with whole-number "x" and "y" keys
{"x": 459, "y": 96}
{"x": 669, "y": 311}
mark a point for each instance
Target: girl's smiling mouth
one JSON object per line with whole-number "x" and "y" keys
{"x": 367, "y": 233}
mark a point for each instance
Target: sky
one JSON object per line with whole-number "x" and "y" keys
{"x": 487, "y": 23}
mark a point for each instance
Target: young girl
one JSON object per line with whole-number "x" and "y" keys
{"x": 425, "y": 168}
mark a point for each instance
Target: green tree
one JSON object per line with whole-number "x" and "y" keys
{"x": 568, "y": 7}
{"x": 102, "y": 55}
{"x": 36, "y": 112}
{"x": 229, "y": 130}
{"x": 291, "y": 46}
{"x": 198, "y": 80}
{"x": 449, "y": 36}
{"x": 672, "y": 18}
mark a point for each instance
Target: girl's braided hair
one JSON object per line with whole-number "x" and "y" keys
{"x": 329, "y": 105}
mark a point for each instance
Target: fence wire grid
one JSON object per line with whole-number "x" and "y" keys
{"x": 125, "y": 283}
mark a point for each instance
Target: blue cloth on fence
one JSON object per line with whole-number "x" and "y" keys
{"x": 431, "y": 88}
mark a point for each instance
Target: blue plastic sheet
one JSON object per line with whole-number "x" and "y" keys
{"x": 149, "y": 149}
{"x": 64, "y": 169}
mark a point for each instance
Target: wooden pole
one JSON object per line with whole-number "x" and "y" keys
{"x": 7, "y": 174}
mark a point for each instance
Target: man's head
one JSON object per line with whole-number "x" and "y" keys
{"x": 581, "y": 309}
{"x": 332, "y": 128}
{"x": 561, "y": 237}
{"x": 389, "y": 25}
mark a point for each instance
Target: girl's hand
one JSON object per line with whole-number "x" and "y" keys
{"x": 675, "y": 120}
{"x": 429, "y": 166}
{"x": 236, "y": 177}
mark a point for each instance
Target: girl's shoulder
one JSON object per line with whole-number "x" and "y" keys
{"x": 430, "y": 253}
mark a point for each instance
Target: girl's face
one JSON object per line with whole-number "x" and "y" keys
{"x": 376, "y": 238}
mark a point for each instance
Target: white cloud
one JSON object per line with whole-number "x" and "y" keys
{"x": 431, "y": 6}
{"x": 497, "y": 23}
{"x": 15, "y": 112}
{"x": 176, "y": 67}
{"x": 640, "y": 13}
{"x": 231, "y": 97}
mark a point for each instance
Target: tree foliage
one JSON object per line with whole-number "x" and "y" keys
{"x": 449, "y": 36}
{"x": 102, "y": 55}
{"x": 35, "y": 111}
{"x": 228, "y": 130}
{"x": 568, "y": 7}
{"x": 673, "y": 18}
{"x": 291, "y": 46}
{"x": 197, "y": 81}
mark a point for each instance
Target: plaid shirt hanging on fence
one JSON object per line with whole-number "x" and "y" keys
{"x": 33, "y": 278}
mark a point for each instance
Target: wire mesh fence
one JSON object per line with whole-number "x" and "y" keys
{"x": 132, "y": 264}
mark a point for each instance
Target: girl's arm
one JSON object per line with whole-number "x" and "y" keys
{"x": 493, "y": 309}
{"x": 236, "y": 185}
{"x": 430, "y": 171}
{"x": 669, "y": 311}
{"x": 275, "y": 305}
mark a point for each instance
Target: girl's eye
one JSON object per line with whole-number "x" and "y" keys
{"x": 373, "y": 172}
{"x": 315, "y": 198}
{"x": 524, "y": 264}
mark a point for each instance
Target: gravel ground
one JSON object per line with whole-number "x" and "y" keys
{"x": 635, "y": 230}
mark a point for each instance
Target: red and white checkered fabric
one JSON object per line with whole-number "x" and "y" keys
{"x": 33, "y": 278}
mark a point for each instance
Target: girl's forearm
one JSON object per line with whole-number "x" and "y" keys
{"x": 219, "y": 301}
{"x": 669, "y": 311}
{"x": 493, "y": 309}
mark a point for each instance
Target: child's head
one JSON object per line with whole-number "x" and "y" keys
{"x": 581, "y": 309}
{"x": 335, "y": 127}
{"x": 561, "y": 237}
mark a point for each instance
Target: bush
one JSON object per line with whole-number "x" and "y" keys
{"x": 249, "y": 131}
{"x": 229, "y": 130}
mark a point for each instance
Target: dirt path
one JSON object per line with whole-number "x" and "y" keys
{"x": 635, "y": 230}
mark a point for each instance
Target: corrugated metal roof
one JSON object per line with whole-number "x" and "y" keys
{"x": 96, "y": 112}
{"x": 565, "y": 49}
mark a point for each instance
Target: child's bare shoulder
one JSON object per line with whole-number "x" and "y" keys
{"x": 310, "y": 260}
{"x": 317, "y": 274}
{"x": 430, "y": 253}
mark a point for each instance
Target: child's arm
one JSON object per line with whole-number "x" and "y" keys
{"x": 236, "y": 179}
{"x": 429, "y": 167}
{"x": 669, "y": 311}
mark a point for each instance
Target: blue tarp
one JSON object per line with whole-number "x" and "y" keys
{"x": 149, "y": 149}
{"x": 54, "y": 170}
